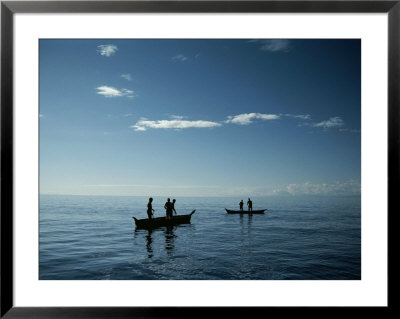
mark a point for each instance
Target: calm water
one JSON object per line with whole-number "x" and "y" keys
{"x": 94, "y": 237}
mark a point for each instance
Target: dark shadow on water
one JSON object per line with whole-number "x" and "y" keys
{"x": 151, "y": 235}
{"x": 249, "y": 221}
{"x": 149, "y": 242}
{"x": 169, "y": 239}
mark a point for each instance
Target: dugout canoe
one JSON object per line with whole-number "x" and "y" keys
{"x": 259, "y": 211}
{"x": 163, "y": 221}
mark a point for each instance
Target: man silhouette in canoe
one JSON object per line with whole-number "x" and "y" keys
{"x": 168, "y": 207}
{"x": 250, "y": 205}
{"x": 241, "y": 205}
{"x": 173, "y": 206}
{"x": 150, "y": 209}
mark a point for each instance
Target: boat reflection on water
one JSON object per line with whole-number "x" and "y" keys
{"x": 169, "y": 239}
{"x": 161, "y": 224}
{"x": 152, "y": 237}
{"x": 149, "y": 241}
{"x": 249, "y": 219}
{"x": 249, "y": 223}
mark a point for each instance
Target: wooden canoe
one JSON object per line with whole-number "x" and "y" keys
{"x": 163, "y": 221}
{"x": 260, "y": 211}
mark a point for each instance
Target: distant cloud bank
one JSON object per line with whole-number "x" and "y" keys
{"x": 107, "y": 50}
{"x": 350, "y": 187}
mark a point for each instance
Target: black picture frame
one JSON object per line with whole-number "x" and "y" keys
{"x": 9, "y": 8}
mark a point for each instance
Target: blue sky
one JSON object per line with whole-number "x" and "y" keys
{"x": 242, "y": 117}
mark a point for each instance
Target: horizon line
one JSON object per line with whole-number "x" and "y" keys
{"x": 169, "y": 196}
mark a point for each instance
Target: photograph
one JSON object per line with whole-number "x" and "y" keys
{"x": 199, "y": 159}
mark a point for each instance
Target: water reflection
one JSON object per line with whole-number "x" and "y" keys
{"x": 151, "y": 234}
{"x": 169, "y": 239}
{"x": 249, "y": 222}
{"x": 149, "y": 241}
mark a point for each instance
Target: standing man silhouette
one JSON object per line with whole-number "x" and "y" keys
{"x": 168, "y": 207}
{"x": 150, "y": 209}
{"x": 241, "y": 205}
{"x": 173, "y": 206}
{"x": 250, "y": 205}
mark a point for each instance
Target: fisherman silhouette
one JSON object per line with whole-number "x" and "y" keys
{"x": 150, "y": 209}
{"x": 241, "y": 205}
{"x": 168, "y": 207}
{"x": 250, "y": 204}
{"x": 173, "y": 206}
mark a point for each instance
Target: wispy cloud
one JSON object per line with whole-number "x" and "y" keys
{"x": 298, "y": 116}
{"x": 180, "y": 57}
{"x": 273, "y": 45}
{"x": 332, "y": 122}
{"x": 177, "y": 117}
{"x": 248, "y": 118}
{"x": 41, "y": 115}
{"x": 126, "y": 76}
{"x": 349, "y": 130}
{"x": 109, "y": 91}
{"x": 178, "y": 124}
{"x": 107, "y": 49}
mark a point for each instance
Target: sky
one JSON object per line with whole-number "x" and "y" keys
{"x": 200, "y": 117}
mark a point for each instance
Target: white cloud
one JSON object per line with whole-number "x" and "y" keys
{"x": 144, "y": 124}
{"x": 247, "y": 118}
{"x": 107, "y": 49}
{"x": 332, "y": 122}
{"x": 126, "y": 76}
{"x": 350, "y": 187}
{"x": 139, "y": 127}
{"x": 274, "y": 45}
{"x": 109, "y": 91}
{"x": 41, "y": 115}
{"x": 180, "y": 57}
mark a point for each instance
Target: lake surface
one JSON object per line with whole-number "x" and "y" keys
{"x": 298, "y": 238}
